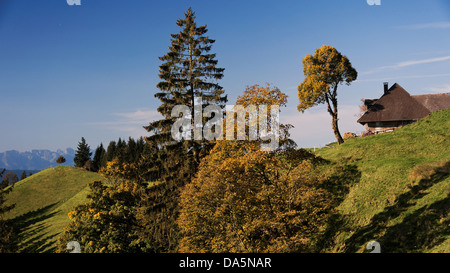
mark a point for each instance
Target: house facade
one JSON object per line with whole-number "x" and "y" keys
{"x": 397, "y": 108}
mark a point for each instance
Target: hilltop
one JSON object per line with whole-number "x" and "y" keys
{"x": 402, "y": 197}
{"x": 43, "y": 201}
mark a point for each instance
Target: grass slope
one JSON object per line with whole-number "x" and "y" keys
{"x": 402, "y": 197}
{"x": 42, "y": 202}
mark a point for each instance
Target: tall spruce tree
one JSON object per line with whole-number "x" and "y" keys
{"x": 188, "y": 71}
{"x": 99, "y": 158}
{"x": 111, "y": 151}
{"x": 83, "y": 153}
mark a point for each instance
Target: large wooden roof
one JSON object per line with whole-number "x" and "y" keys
{"x": 434, "y": 102}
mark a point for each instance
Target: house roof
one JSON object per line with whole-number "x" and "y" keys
{"x": 395, "y": 105}
{"x": 434, "y": 102}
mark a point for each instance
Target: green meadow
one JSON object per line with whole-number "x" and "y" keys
{"x": 42, "y": 202}
{"x": 402, "y": 197}
{"x": 398, "y": 195}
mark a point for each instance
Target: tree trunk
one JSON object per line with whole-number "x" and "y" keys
{"x": 334, "y": 114}
{"x": 337, "y": 134}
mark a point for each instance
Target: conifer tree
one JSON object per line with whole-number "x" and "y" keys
{"x": 111, "y": 151}
{"x": 23, "y": 175}
{"x": 188, "y": 71}
{"x": 97, "y": 161}
{"x": 131, "y": 151}
{"x": 120, "y": 150}
{"x": 83, "y": 154}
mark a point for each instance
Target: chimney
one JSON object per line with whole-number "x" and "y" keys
{"x": 386, "y": 87}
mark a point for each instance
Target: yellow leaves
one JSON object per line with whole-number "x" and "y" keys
{"x": 71, "y": 214}
{"x": 256, "y": 95}
{"x": 115, "y": 169}
{"x": 250, "y": 202}
{"x": 323, "y": 72}
{"x": 98, "y": 215}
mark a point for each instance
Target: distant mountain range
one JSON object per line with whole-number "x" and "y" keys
{"x": 35, "y": 159}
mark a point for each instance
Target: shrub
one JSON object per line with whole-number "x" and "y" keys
{"x": 349, "y": 135}
{"x": 60, "y": 160}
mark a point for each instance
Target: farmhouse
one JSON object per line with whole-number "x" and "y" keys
{"x": 396, "y": 108}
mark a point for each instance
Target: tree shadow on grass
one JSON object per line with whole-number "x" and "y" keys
{"x": 338, "y": 184}
{"x": 30, "y": 231}
{"x": 424, "y": 228}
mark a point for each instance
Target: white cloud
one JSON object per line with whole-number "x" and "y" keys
{"x": 416, "y": 62}
{"x": 407, "y": 64}
{"x": 434, "y": 25}
{"x": 442, "y": 88}
{"x": 140, "y": 116}
{"x": 130, "y": 123}
{"x": 396, "y": 78}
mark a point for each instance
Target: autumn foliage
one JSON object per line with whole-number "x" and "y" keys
{"x": 215, "y": 195}
{"x": 107, "y": 223}
{"x": 324, "y": 72}
{"x": 247, "y": 200}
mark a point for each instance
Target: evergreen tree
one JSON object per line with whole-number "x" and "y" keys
{"x": 131, "y": 151}
{"x": 140, "y": 146}
{"x": 188, "y": 71}
{"x": 83, "y": 154}
{"x": 23, "y": 175}
{"x": 98, "y": 159}
{"x": 111, "y": 151}
{"x": 121, "y": 150}
{"x": 149, "y": 165}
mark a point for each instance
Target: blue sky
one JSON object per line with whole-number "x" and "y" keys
{"x": 91, "y": 71}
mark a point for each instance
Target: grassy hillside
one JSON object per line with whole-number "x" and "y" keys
{"x": 402, "y": 197}
{"x": 42, "y": 203}
{"x": 399, "y": 193}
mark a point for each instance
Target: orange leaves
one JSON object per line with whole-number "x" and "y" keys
{"x": 114, "y": 169}
{"x": 247, "y": 200}
{"x": 323, "y": 72}
{"x": 258, "y": 95}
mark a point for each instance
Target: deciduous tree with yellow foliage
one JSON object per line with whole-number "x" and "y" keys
{"x": 323, "y": 73}
{"x": 107, "y": 222}
{"x": 247, "y": 200}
